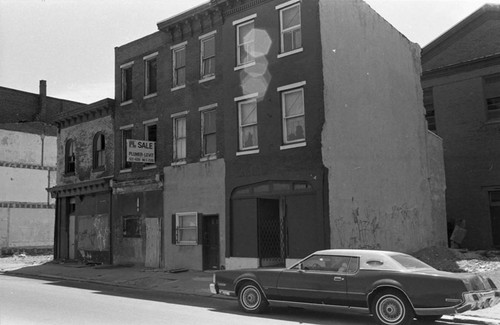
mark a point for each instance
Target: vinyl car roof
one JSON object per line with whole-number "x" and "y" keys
{"x": 368, "y": 258}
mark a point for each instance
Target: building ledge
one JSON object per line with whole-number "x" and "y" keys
{"x": 81, "y": 188}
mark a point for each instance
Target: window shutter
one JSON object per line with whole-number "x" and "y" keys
{"x": 200, "y": 228}
{"x": 174, "y": 230}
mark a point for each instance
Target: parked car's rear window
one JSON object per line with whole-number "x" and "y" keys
{"x": 410, "y": 262}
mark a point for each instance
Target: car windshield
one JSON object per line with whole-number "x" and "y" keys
{"x": 410, "y": 262}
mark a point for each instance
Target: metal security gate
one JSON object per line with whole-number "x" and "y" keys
{"x": 271, "y": 234}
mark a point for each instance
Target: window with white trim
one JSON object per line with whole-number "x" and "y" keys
{"x": 247, "y": 124}
{"x": 126, "y": 74}
{"x": 179, "y": 138}
{"x": 179, "y": 66}
{"x": 150, "y": 75}
{"x": 208, "y": 132}
{"x": 126, "y": 134}
{"x": 292, "y": 102}
{"x": 245, "y": 39}
{"x": 150, "y": 134}
{"x": 186, "y": 228}
{"x": 290, "y": 24}
{"x": 207, "y": 57}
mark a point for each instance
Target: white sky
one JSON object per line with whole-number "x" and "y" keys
{"x": 70, "y": 43}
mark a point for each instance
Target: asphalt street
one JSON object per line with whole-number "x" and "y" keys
{"x": 34, "y": 301}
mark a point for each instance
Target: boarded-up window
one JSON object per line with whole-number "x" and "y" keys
{"x": 492, "y": 95}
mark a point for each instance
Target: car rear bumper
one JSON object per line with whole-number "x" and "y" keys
{"x": 479, "y": 300}
{"x": 471, "y": 301}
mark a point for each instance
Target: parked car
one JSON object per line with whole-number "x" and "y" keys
{"x": 393, "y": 287}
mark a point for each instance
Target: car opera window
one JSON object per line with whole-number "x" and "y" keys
{"x": 290, "y": 24}
{"x": 150, "y": 74}
{"x": 99, "y": 147}
{"x": 492, "y": 95}
{"x": 292, "y": 102}
{"x": 131, "y": 226}
{"x": 70, "y": 159}
{"x": 179, "y": 65}
{"x": 247, "y": 124}
{"x": 126, "y": 82}
{"x": 186, "y": 228}
{"x": 207, "y": 56}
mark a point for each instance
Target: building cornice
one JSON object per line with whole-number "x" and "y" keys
{"x": 466, "y": 66}
{"x": 204, "y": 17}
{"x": 81, "y": 188}
{"x": 86, "y": 113}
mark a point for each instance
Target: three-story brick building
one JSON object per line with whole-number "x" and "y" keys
{"x": 280, "y": 127}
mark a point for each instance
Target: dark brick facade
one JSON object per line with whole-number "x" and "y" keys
{"x": 455, "y": 66}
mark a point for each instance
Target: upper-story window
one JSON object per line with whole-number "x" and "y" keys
{"x": 208, "y": 131}
{"x": 430, "y": 115}
{"x": 492, "y": 95}
{"x": 179, "y": 136}
{"x": 150, "y": 133}
{"x": 245, "y": 39}
{"x": 99, "y": 153}
{"x": 247, "y": 123}
{"x": 179, "y": 65}
{"x": 126, "y": 135}
{"x": 207, "y": 55}
{"x": 150, "y": 74}
{"x": 290, "y": 26}
{"x": 69, "y": 155}
{"x": 126, "y": 75}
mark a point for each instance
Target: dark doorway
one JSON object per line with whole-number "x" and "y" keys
{"x": 270, "y": 233}
{"x": 495, "y": 217}
{"x": 211, "y": 242}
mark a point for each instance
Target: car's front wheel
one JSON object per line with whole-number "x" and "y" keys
{"x": 390, "y": 307}
{"x": 251, "y": 298}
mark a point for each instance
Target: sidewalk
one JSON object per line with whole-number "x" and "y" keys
{"x": 188, "y": 282}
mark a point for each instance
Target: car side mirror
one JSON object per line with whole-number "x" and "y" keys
{"x": 301, "y": 267}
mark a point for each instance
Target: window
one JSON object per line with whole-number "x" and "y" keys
{"x": 126, "y": 134}
{"x": 186, "y": 228}
{"x": 290, "y": 24}
{"x": 208, "y": 132}
{"x": 492, "y": 94}
{"x": 429, "y": 109}
{"x": 245, "y": 43}
{"x": 131, "y": 226}
{"x": 99, "y": 151}
{"x": 293, "y": 116}
{"x": 150, "y": 74}
{"x": 70, "y": 157}
{"x": 150, "y": 133}
{"x": 126, "y": 71}
{"x": 325, "y": 263}
{"x": 179, "y": 65}
{"x": 179, "y": 138}
{"x": 207, "y": 54}
{"x": 247, "y": 124}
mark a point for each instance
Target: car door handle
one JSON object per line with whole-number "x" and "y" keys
{"x": 338, "y": 278}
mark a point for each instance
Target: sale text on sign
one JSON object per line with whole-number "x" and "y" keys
{"x": 140, "y": 151}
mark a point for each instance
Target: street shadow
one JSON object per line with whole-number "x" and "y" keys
{"x": 216, "y": 304}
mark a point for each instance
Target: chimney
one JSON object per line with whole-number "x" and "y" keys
{"x": 43, "y": 100}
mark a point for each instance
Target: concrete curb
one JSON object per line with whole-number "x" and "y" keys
{"x": 472, "y": 320}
